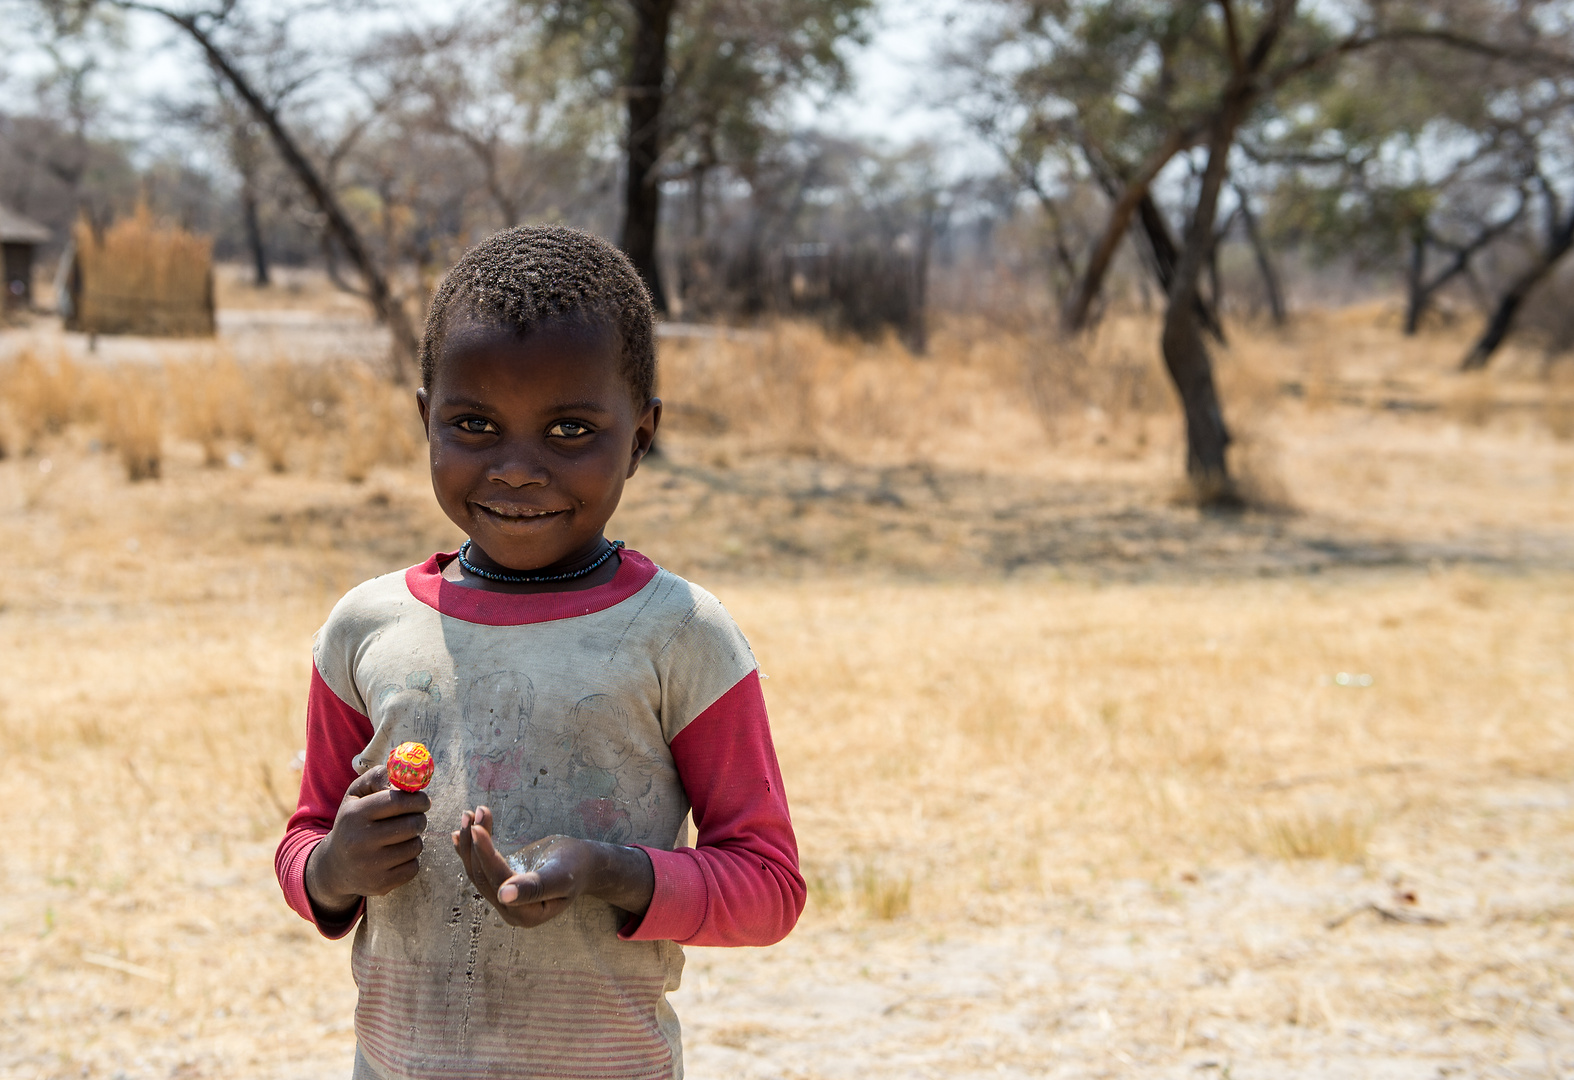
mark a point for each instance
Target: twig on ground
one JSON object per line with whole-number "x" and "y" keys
{"x": 116, "y": 964}
{"x": 1383, "y": 769}
{"x": 1410, "y": 918}
{"x": 273, "y": 796}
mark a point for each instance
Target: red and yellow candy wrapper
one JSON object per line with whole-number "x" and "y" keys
{"x": 410, "y": 766}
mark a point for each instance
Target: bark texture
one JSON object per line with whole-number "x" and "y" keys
{"x": 1185, "y": 353}
{"x": 1508, "y": 305}
{"x": 337, "y": 225}
{"x": 259, "y": 251}
{"x": 642, "y": 184}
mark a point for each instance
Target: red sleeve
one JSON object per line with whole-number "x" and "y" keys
{"x": 335, "y": 733}
{"x": 739, "y": 884}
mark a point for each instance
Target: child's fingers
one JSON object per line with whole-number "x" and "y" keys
{"x": 369, "y": 782}
{"x": 402, "y": 874}
{"x": 484, "y": 857}
{"x": 461, "y": 837}
{"x": 398, "y": 854}
{"x": 392, "y": 803}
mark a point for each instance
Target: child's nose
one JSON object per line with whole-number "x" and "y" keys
{"x": 519, "y": 466}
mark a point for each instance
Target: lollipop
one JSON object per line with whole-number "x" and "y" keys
{"x": 410, "y": 766}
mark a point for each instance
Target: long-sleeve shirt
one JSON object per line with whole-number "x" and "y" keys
{"x": 608, "y": 713}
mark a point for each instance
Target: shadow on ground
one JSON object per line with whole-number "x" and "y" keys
{"x": 795, "y": 516}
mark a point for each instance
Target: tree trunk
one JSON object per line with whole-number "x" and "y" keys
{"x": 390, "y": 312}
{"x": 642, "y": 186}
{"x": 1415, "y": 285}
{"x": 1508, "y": 305}
{"x": 1215, "y": 282}
{"x": 1163, "y": 254}
{"x": 1075, "y": 317}
{"x": 1185, "y": 353}
{"x": 259, "y": 253}
{"x": 1270, "y": 278}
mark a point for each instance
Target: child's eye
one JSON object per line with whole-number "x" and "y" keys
{"x": 568, "y": 429}
{"x": 476, "y": 425}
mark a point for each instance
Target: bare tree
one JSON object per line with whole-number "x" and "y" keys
{"x": 504, "y": 93}
{"x": 207, "y": 29}
{"x": 1138, "y": 85}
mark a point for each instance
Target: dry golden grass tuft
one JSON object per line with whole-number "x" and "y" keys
{"x": 214, "y": 402}
{"x": 132, "y": 405}
{"x": 787, "y": 389}
{"x": 1342, "y": 838}
{"x": 379, "y": 425}
{"x": 42, "y": 394}
{"x": 337, "y": 416}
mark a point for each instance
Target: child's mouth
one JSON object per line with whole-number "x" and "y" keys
{"x": 516, "y": 513}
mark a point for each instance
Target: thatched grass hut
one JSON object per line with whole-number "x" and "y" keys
{"x": 139, "y": 278}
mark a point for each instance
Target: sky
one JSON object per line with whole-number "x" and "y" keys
{"x": 895, "y": 77}
{"x": 893, "y": 100}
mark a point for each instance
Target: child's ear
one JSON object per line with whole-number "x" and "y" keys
{"x": 644, "y": 433}
{"x": 423, "y": 403}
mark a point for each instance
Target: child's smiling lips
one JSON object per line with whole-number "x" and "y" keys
{"x": 516, "y": 513}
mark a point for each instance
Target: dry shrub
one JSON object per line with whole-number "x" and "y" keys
{"x": 378, "y": 424}
{"x": 132, "y": 404}
{"x": 759, "y": 384}
{"x": 883, "y": 897}
{"x": 791, "y": 388}
{"x": 274, "y": 427}
{"x": 44, "y": 394}
{"x": 1341, "y": 838}
{"x": 213, "y": 403}
{"x": 1103, "y": 380}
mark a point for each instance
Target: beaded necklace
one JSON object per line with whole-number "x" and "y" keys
{"x": 534, "y": 579}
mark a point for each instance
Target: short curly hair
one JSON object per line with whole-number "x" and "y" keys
{"x": 522, "y": 278}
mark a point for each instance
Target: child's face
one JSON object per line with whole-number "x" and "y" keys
{"x": 531, "y": 440}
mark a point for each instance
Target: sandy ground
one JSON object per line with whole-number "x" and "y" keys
{"x": 1079, "y": 786}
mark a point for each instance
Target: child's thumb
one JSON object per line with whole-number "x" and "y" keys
{"x": 521, "y": 889}
{"x": 369, "y": 782}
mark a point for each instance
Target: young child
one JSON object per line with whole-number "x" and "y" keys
{"x": 579, "y": 702}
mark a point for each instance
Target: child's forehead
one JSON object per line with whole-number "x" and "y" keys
{"x": 571, "y": 356}
{"x": 473, "y": 330}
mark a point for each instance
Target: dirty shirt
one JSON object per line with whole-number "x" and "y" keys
{"x": 610, "y": 714}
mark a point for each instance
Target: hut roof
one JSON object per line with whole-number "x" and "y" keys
{"x": 16, "y": 229}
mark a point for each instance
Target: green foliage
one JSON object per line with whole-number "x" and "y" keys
{"x": 733, "y": 65}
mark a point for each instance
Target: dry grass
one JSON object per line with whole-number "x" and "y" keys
{"x": 1317, "y": 836}
{"x": 1091, "y": 802}
{"x": 334, "y": 416}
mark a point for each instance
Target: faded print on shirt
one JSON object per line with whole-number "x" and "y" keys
{"x": 559, "y": 726}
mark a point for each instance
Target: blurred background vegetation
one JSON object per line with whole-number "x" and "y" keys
{"x": 1203, "y": 161}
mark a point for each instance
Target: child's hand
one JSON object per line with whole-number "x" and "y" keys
{"x": 373, "y": 847}
{"x": 559, "y": 869}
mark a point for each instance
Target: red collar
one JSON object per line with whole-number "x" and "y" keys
{"x": 426, "y": 584}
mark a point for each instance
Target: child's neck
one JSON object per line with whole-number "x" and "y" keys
{"x": 601, "y": 575}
